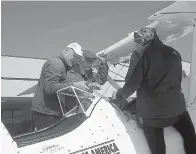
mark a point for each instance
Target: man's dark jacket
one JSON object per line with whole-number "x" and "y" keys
{"x": 156, "y": 76}
{"x": 55, "y": 75}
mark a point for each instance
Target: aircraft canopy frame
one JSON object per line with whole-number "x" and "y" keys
{"x": 84, "y": 101}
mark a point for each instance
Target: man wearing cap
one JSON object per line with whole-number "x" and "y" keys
{"x": 73, "y": 67}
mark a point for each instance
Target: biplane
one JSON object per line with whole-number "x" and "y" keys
{"x": 94, "y": 125}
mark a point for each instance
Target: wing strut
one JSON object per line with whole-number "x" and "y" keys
{"x": 192, "y": 82}
{"x": 113, "y": 83}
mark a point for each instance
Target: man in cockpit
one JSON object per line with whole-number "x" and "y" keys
{"x": 72, "y": 67}
{"x": 155, "y": 72}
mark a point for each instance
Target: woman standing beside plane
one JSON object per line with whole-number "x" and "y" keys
{"x": 155, "y": 72}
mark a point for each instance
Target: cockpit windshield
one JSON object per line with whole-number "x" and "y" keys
{"x": 74, "y": 101}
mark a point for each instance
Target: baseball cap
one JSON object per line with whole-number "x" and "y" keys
{"x": 89, "y": 54}
{"x": 76, "y": 47}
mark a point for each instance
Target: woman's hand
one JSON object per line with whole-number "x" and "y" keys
{"x": 114, "y": 95}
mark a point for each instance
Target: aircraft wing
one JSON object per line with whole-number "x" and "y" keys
{"x": 174, "y": 26}
{"x": 171, "y": 23}
{"x": 19, "y": 76}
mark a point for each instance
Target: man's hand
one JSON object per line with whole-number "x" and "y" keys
{"x": 100, "y": 60}
{"x": 102, "y": 57}
{"x": 81, "y": 85}
{"x": 94, "y": 86}
{"x": 114, "y": 95}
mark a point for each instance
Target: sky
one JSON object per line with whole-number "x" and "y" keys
{"x": 43, "y": 29}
